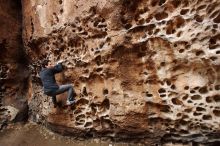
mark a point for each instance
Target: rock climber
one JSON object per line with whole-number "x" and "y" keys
{"x": 51, "y": 88}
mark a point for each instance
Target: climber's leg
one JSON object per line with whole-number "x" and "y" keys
{"x": 54, "y": 100}
{"x": 68, "y": 88}
{"x": 53, "y": 95}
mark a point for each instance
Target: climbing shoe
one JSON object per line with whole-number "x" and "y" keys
{"x": 69, "y": 102}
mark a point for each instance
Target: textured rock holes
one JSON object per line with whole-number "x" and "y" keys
{"x": 173, "y": 25}
{"x": 187, "y": 107}
{"x": 81, "y": 29}
{"x": 92, "y": 115}
{"x": 161, "y": 16}
{"x": 4, "y": 115}
{"x": 4, "y": 70}
{"x": 4, "y": 112}
{"x": 192, "y": 103}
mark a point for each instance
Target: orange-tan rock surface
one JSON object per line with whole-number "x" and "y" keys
{"x": 140, "y": 68}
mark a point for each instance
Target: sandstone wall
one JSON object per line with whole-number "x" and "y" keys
{"x": 13, "y": 62}
{"x": 140, "y": 68}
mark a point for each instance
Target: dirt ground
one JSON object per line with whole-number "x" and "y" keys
{"x": 35, "y": 135}
{"x": 32, "y": 134}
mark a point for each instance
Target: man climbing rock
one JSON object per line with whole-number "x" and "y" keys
{"x": 51, "y": 88}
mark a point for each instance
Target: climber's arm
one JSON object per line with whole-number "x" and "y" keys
{"x": 58, "y": 67}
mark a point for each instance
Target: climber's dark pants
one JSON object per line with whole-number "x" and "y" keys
{"x": 62, "y": 89}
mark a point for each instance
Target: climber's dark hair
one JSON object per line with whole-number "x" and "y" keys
{"x": 44, "y": 63}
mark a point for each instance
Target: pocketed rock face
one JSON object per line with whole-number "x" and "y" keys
{"x": 13, "y": 72}
{"x": 140, "y": 68}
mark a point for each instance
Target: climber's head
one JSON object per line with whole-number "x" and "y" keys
{"x": 45, "y": 63}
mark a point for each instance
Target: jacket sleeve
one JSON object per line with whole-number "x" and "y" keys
{"x": 57, "y": 68}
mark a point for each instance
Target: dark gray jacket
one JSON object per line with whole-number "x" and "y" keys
{"x": 47, "y": 76}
